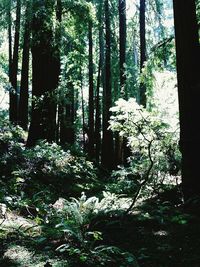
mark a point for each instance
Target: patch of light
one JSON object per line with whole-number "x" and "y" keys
{"x": 131, "y": 7}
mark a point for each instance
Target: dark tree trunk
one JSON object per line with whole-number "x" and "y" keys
{"x": 58, "y": 69}
{"x": 107, "y": 142}
{"x": 91, "y": 95}
{"x": 9, "y": 39}
{"x": 143, "y": 99}
{"x": 120, "y": 144}
{"x": 159, "y": 14}
{"x": 14, "y": 69}
{"x": 45, "y": 74}
{"x": 122, "y": 46}
{"x": 24, "y": 88}
{"x": 83, "y": 111}
{"x": 98, "y": 114}
{"x": 99, "y": 82}
{"x": 188, "y": 65}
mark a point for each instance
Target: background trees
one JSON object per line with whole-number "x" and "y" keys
{"x": 74, "y": 59}
{"x": 93, "y": 85}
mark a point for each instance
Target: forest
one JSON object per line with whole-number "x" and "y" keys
{"x": 99, "y": 134}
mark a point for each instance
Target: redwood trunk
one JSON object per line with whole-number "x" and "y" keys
{"x": 24, "y": 88}
{"x": 188, "y": 65}
{"x": 14, "y": 68}
{"x": 143, "y": 99}
{"x": 107, "y": 142}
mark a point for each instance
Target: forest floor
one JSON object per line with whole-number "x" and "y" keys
{"x": 159, "y": 234}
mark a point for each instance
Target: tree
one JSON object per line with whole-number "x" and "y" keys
{"x": 9, "y": 19}
{"x": 100, "y": 80}
{"x": 120, "y": 144}
{"x": 44, "y": 73}
{"x": 142, "y": 98}
{"x": 188, "y": 64}
{"x": 122, "y": 45}
{"x": 107, "y": 141}
{"x": 13, "y": 112}
{"x": 24, "y": 88}
{"x": 162, "y": 34}
{"x": 91, "y": 93}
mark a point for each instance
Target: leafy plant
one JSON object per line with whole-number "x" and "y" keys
{"x": 70, "y": 222}
{"x": 154, "y": 145}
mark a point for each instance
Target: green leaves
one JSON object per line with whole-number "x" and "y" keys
{"x": 153, "y": 143}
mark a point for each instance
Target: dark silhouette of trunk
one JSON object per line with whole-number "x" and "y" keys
{"x": 83, "y": 111}
{"x": 107, "y": 142}
{"x": 143, "y": 100}
{"x": 24, "y": 88}
{"x": 13, "y": 112}
{"x": 120, "y": 144}
{"x": 99, "y": 82}
{"x": 122, "y": 46}
{"x": 188, "y": 65}
{"x": 44, "y": 74}
{"x": 9, "y": 18}
{"x": 98, "y": 112}
{"x": 58, "y": 57}
{"x": 91, "y": 95}
{"x": 159, "y": 12}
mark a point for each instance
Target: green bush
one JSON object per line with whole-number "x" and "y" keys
{"x": 155, "y": 155}
{"x": 70, "y": 223}
{"x": 12, "y": 140}
{"x": 50, "y": 164}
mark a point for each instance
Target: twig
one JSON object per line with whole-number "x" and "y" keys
{"x": 4, "y": 219}
{"x": 29, "y": 228}
{"x": 145, "y": 180}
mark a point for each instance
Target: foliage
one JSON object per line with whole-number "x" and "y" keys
{"x": 155, "y": 155}
{"x": 26, "y": 170}
{"x": 11, "y": 145}
{"x": 71, "y": 221}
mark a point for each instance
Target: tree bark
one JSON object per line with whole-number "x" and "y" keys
{"x": 143, "y": 100}
{"x": 13, "y": 112}
{"x": 44, "y": 74}
{"x": 100, "y": 81}
{"x": 188, "y": 65}
{"x": 9, "y": 39}
{"x": 122, "y": 46}
{"x": 120, "y": 144}
{"x": 107, "y": 142}
{"x": 91, "y": 95}
{"x": 24, "y": 88}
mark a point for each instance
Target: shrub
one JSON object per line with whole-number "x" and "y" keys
{"x": 154, "y": 145}
{"x": 70, "y": 223}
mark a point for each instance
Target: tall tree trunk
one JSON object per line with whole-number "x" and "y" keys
{"x": 143, "y": 100}
{"x": 91, "y": 95}
{"x": 9, "y": 18}
{"x": 58, "y": 37}
{"x": 159, "y": 11}
{"x": 122, "y": 46}
{"x": 188, "y": 65}
{"x": 14, "y": 69}
{"x": 24, "y": 88}
{"x": 98, "y": 114}
{"x": 107, "y": 142}
{"x": 99, "y": 82}
{"x": 119, "y": 142}
{"x": 45, "y": 74}
{"x": 83, "y": 110}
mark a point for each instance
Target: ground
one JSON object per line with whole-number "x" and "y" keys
{"x": 159, "y": 234}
